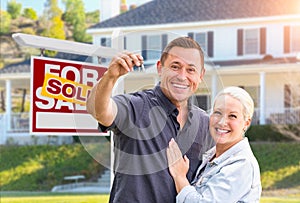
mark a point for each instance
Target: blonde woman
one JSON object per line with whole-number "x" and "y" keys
{"x": 229, "y": 171}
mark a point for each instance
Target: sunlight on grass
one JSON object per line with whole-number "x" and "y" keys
{"x": 270, "y": 178}
{"x": 104, "y": 199}
{"x": 279, "y": 200}
{"x": 24, "y": 169}
{"x": 58, "y": 199}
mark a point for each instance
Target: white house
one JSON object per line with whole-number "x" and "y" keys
{"x": 250, "y": 43}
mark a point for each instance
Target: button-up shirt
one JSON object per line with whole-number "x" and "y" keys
{"x": 232, "y": 177}
{"x": 145, "y": 123}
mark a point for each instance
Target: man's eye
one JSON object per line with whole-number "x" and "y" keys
{"x": 191, "y": 70}
{"x": 175, "y": 67}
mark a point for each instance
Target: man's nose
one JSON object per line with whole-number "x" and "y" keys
{"x": 182, "y": 73}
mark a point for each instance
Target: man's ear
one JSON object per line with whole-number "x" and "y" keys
{"x": 159, "y": 67}
{"x": 202, "y": 73}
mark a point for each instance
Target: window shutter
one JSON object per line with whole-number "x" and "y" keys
{"x": 191, "y": 35}
{"x": 240, "y": 41}
{"x": 144, "y": 47}
{"x": 263, "y": 40}
{"x": 210, "y": 44}
{"x": 125, "y": 42}
{"x": 286, "y": 39}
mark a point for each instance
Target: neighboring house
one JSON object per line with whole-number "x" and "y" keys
{"x": 250, "y": 43}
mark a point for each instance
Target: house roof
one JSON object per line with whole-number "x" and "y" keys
{"x": 24, "y": 66}
{"x": 182, "y": 11}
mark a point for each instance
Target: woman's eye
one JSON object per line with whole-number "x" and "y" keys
{"x": 232, "y": 116}
{"x": 217, "y": 112}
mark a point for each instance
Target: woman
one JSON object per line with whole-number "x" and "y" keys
{"x": 229, "y": 171}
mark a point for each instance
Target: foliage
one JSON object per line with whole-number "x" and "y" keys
{"x": 5, "y": 22}
{"x": 92, "y": 17}
{"x": 75, "y": 16}
{"x": 266, "y": 133}
{"x": 30, "y": 13}
{"x": 14, "y": 9}
{"x": 53, "y": 24}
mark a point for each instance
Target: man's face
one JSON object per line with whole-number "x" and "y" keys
{"x": 181, "y": 73}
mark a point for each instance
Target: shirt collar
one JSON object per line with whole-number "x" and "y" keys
{"x": 164, "y": 101}
{"x": 241, "y": 145}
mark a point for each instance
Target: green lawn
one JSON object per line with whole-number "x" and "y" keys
{"x": 95, "y": 198}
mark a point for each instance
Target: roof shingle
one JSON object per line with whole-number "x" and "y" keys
{"x": 182, "y": 11}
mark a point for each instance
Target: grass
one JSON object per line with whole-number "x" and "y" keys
{"x": 39, "y": 168}
{"x": 95, "y": 198}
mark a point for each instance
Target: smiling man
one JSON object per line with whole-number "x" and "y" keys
{"x": 144, "y": 122}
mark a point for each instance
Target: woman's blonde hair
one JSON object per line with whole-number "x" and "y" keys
{"x": 241, "y": 95}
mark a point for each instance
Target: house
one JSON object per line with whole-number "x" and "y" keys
{"x": 253, "y": 44}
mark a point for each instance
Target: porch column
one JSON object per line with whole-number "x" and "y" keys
{"x": 8, "y": 105}
{"x": 262, "y": 119}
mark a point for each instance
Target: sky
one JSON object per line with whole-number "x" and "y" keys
{"x": 38, "y": 5}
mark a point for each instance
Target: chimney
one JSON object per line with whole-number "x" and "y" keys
{"x": 109, "y": 9}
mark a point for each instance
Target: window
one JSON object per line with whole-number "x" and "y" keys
{"x": 152, "y": 46}
{"x": 295, "y": 38}
{"x": 205, "y": 39}
{"x": 251, "y": 41}
{"x": 202, "y": 101}
{"x": 105, "y": 42}
{"x": 291, "y": 96}
{"x": 202, "y": 40}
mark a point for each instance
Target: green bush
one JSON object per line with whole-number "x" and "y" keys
{"x": 272, "y": 133}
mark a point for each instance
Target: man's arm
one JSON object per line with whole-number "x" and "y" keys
{"x": 99, "y": 103}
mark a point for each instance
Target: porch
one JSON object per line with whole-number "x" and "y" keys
{"x": 20, "y": 124}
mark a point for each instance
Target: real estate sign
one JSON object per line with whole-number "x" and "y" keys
{"x": 59, "y": 89}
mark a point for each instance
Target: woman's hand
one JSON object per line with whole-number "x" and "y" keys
{"x": 178, "y": 165}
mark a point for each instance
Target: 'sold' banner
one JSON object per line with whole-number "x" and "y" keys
{"x": 59, "y": 89}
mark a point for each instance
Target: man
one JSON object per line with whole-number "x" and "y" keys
{"x": 144, "y": 122}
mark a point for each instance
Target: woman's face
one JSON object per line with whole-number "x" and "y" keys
{"x": 227, "y": 122}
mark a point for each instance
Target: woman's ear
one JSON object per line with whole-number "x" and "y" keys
{"x": 247, "y": 124}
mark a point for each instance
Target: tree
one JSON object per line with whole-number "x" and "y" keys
{"x": 30, "y": 13}
{"x": 14, "y": 9}
{"x": 92, "y": 17}
{"x": 5, "y": 22}
{"x": 52, "y": 22}
{"x": 75, "y": 16}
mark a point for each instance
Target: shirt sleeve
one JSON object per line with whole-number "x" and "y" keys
{"x": 230, "y": 183}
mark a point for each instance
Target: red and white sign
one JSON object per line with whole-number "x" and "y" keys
{"x": 59, "y": 89}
